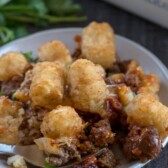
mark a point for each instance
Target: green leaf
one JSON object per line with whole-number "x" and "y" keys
{"x": 110, "y": 74}
{"x": 58, "y": 19}
{"x": 17, "y": 8}
{"x": 2, "y": 19}
{"x": 62, "y": 7}
{"x": 4, "y": 2}
{"x": 6, "y": 35}
{"x": 134, "y": 94}
{"x": 20, "y": 2}
{"x": 20, "y": 31}
{"x": 16, "y": 12}
{"x": 32, "y": 6}
{"x": 13, "y": 91}
{"x": 29, "y": 57}
{"x": 46, "y": 165}
{"x": 39, "y": 5}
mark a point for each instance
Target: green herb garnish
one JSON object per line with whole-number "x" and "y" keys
{"x": 134, "y": 94}
{"x": 110, "y": 74}
{"x": 13, "y": 91}
{"x": 6, "y": 35}
{"x": 29, "y": 57}
{"x": 15, "y": 14}
{"x": 46, "y": 165}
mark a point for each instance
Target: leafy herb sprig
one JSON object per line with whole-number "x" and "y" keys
{"x": 29, "y": 57}
{"x": 15, "y": 14}
{"x": 46, "y": 165}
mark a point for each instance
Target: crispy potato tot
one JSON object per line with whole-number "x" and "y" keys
{"x": 146, "y": 110}
{"x": 12, "y": 64}
{"x": 22, "y": 93}
{"x": 53, "y": 146}
{"x": 101, "y": 70}
{"x": 150, "y": 84}
{"x": 98, "y": 44}
{"x": 47, "y": 87}
{"x": 87, "y": 88}
{"x": 61, "y": 122}
{"x": 10, "y": 119}
{"x": 48, "y": 145}
{"x": 54, "y": 51}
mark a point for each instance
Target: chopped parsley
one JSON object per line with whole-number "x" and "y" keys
{"x": 46, "y": 165}
{"x": 13, "y": 91}
{"x": 110, "y": 73}
{"x": 29, "y": 57}
{"x": 134, "y": 94}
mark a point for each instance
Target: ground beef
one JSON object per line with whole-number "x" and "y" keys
{"x": 68, "y": 152}
{"x": 103, "y": 160}
{"x": 114, "y": 68}
{"x": 9, "y": 87}
{"x": 124, "y": 65}
{"x": 107, "y": 160}
{"x": 113, "y": 104}
{"x": 123, "y": 124}
{"x": 142, "y": 143}
{"x": 133, "y": 79}
{"x": 120, "y": 66}
{"x": 101, "y": 134}
{"x": 1, "y": 84}
{"x": 115, "y": 110}
{"x": 88, "y": 163}
{"x": 77, "y": 53}
{"x": 30, "y": 126}
{"x": 94, "y": 137}
{"x": 86, "y": 147}
{"x": 110, "y": 81}
{"x": 25, "y": 87}
{"x": 89, "y": 117}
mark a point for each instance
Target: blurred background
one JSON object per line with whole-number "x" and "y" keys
{"x": 23, "y": 17}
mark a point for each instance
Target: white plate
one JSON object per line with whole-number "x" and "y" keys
{"x": 126, "y": 49}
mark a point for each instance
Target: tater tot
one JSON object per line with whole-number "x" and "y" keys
{"x": 61, "y": 122}
{"x": 47, "y": 87}
{"x": 48, "y": 145}
{"x": 12, "y": 63}
{"x": 150, "y": 83}
{"x": 10, "y": 119}
{"x": 87, "y": 88}
{"x": 101, "y": 70}
{"x": 98, "y": 44}
{"x": 54, "y": 51}
{"x": 146, "y": 110}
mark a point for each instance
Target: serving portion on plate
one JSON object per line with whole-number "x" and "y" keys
{"x": 73, "y": 105}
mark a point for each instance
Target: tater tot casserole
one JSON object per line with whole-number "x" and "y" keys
{"x": 71, "y": 105}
